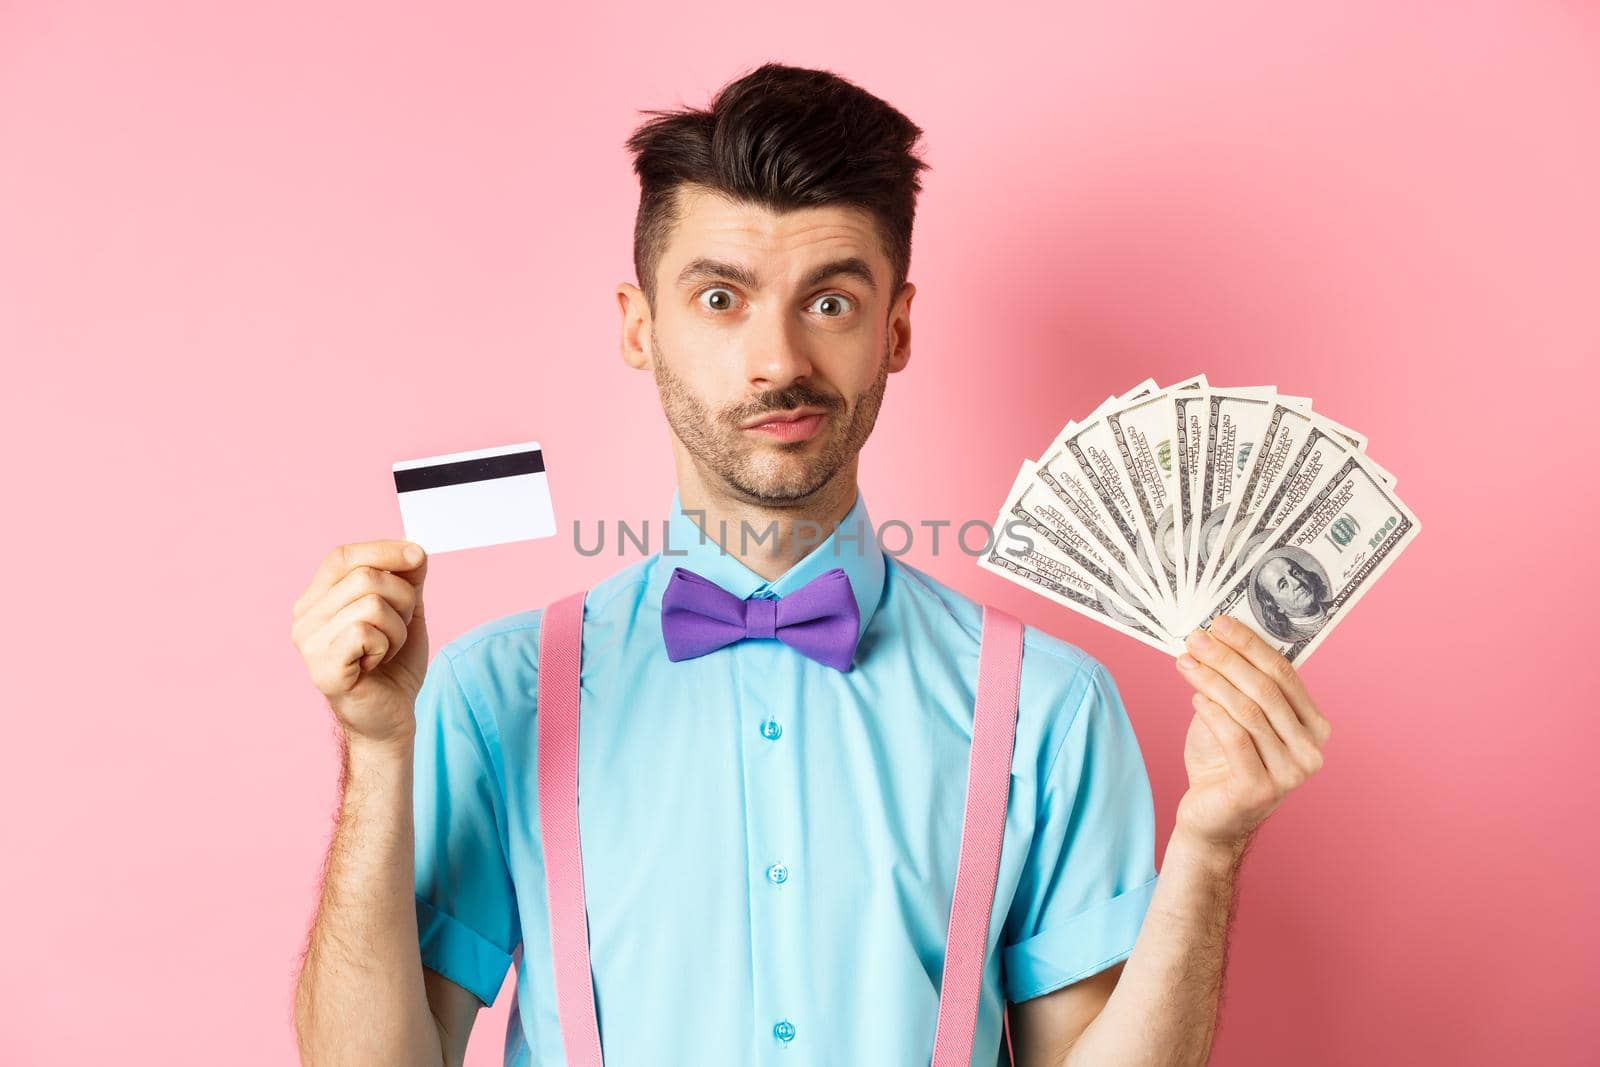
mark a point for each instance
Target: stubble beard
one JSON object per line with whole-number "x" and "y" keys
{"x": 768, "y": 473}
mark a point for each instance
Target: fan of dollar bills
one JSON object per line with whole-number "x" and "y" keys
{"x": 1167, "y": 507}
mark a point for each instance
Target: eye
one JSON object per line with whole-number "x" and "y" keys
{"x": 721, "y": 302}
{"x": 836, "y": 300}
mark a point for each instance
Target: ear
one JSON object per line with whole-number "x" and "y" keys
{"x": 635, "y": 326}
{"x": 900, "y": 329}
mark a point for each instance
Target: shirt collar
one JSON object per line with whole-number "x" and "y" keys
{"x": 853, "y": 545}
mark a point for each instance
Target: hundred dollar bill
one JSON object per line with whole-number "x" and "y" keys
{"x": 1321, "y": 452}
{"x": 1315, "y": 568}
{"x": 1188, "y": 439}
{"x": 1138, "y": 392}
{"x": 1061, "y": 475}
{"x": 1299, "y": 403}
{"x": 1093, "y": 448}
{"x": 1185, "y": 392}
{"x": 1146, "y": 386}
{"x": 1143, "y": 430}
{"x": 1353, "y": 438}
{"x": 1286, "y": 431}
{"x": 1105, "y": 405}
{"x": 1019, "y": 559}
{"x": 1388, "y": 479}
{"x": 1071, "y": 487}
{"x": 1190, "y": 416}
{"x": 1031, "y": 508}
{"x": 1142, "y": 434}
{"x": 1234, "y": 426}
{"x": 1356, "y": 440}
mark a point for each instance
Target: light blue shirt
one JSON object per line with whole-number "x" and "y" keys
{"x": 770, "y": 844}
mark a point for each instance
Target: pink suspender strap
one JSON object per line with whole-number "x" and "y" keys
{"x": 982, "y": 831}
{"x": 994, "y": 731}
{"x": 560, "y": 646}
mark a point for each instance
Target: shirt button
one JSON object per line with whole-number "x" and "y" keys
{"x": 777, "y": 874}
{"x": 771, "y": 730}
{"x": 783, "y": 1030}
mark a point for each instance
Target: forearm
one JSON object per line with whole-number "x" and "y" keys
{"x": 1163, "y": 1011}
{"x": 360, "y": 998}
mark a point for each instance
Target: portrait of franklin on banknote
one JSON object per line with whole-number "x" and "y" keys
{"x": 1288, "y": 594}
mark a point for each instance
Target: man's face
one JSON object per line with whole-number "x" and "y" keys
{"x": 761, "y": 314}
{"x": 1285, "y": 582}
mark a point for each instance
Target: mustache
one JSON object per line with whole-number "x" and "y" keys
{"x": 784, "y": 400}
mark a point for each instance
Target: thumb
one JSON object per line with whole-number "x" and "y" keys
{"x": 417, "y": 576}
{"x": 413, "y": 655}
{"x": 412, "y": 659}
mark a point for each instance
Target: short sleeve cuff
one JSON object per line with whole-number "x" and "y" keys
{"x": 460, "y": 953}
{"x": 1085, "y": 944}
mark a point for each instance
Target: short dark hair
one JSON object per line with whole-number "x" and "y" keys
{"x": 782, "y": 137}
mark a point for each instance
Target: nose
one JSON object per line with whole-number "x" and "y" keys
{"x": 776, "y": 355}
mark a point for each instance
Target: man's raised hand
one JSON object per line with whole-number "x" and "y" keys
{"x": 1256, "y": 736}
{"x": 361, "y": 630}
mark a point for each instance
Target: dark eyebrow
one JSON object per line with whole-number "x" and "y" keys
{"x": 851, "y": 267}
{"x": 704, "y": 269}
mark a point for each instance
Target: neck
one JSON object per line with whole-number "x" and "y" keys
{"x": 777, "y": 535}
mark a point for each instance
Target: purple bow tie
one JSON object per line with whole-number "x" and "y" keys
{"x": 820, "y": 619}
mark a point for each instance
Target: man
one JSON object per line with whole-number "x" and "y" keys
{"x": 770, "y": 840}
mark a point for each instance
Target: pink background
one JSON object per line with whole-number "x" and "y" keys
{"x": 252, "y": 254}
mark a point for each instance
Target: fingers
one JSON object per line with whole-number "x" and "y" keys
{"x": 1286, "y": 744}
{"x": 1277, "y": 668}
{"x": 400, "y": 594}
{"x": 352, "y": 650}
{"x": 389, "y": 555}
{"x": 379, "y": 632}
{"x": 1247, "y": 713}
{"x": 1238, "y": 749}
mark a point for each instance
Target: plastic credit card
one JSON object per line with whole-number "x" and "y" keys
{"x": 489, "y": 496}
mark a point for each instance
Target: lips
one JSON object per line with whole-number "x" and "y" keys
{"x": 789, "y": 426}
{"x": 788, "y": 416}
